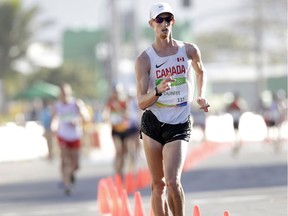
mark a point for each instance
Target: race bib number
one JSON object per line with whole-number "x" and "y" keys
{"x": 176, "y": 96}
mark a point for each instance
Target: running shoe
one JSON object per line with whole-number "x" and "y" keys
{"x": 72, "y": 179}
{"x": 68, "y": 191}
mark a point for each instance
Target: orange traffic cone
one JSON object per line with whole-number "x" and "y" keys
{"x": 116, "y": 211}
{"x": 196, "y": 211}
{"x": 125, "y": 209}
{"x": 110, "y": 185}
{"x": 138, "y": 205}
{"x": 145, "y": 178}
{"x": 129, "y": 183}
{"x": 140, "y": 179}
{"x": 104, "y": 198}
{"x": 118, "y": 183}
{"x": 226, "y": 213}
{"x": 114, "y": 197}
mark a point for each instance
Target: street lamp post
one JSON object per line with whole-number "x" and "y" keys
{"x": 115, "y": 42}
{"x": 259, "y": 64}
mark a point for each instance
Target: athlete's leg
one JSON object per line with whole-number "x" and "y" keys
{"x": 74, "y": 155}
{"x": 174, "y": 154}
{"x": 133, "y": 152}
{"x": 48, "y": 136}
{"x": 153, "y": 151}
{"x": 119, "y": 154}
{"x": 65, "y": 167}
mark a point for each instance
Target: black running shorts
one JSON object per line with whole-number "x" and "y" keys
{"x": 125, "y": 134}
{"x": 163, "y": 132}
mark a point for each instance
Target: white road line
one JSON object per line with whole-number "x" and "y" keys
{"x": 231, "y": 199}
{"x": 49, "y": 211}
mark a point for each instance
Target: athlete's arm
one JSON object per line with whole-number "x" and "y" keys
{"x": 83, "y": 111}
{"x": 54, "y": 119}
{"x": 201, "y": 77}
{"x": 142, "y": 68}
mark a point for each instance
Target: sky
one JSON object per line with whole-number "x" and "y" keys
{"x": 69, "y": 14}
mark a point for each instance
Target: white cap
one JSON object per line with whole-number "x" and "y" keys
{"x": 159, "y": 8}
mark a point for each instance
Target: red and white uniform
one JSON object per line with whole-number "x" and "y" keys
{"x": 173, "y": 106}
{"x": 69, "y": 124}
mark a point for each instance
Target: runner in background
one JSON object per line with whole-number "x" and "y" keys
{"x": 134, "y": 142}
{"x": 117, "y": 116}
{"x": 70, "y": 114}
{"x": 272, "y": 111}
{"x": 236, "y": 108}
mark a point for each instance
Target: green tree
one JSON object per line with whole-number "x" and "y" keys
{"x": 262, "y": 31}
{"x": 16, "y": 30}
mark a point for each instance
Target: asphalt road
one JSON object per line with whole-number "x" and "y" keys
{"x": 251, "y": 183}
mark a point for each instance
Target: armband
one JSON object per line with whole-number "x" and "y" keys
{"x": 157, "y": 93}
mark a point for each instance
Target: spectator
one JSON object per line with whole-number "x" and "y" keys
{"x": 45, "y": 117}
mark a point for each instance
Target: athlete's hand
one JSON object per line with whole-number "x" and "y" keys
{"x": 203, "y": 104}
{"x": 165, "y": 84}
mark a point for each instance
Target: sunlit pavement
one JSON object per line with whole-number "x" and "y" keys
{"x": 250, "y": 182}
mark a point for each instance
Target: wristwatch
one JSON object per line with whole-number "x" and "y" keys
{"x": 156, "y": 92}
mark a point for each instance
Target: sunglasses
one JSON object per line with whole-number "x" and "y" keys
{"x": 161, "y": 19}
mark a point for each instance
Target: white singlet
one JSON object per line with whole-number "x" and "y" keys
{"x": 69, "y": 126}
{"x": 174, "y": 105}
